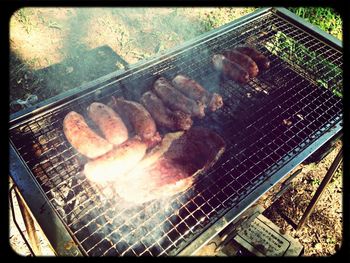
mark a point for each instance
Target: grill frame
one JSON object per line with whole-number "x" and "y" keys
{"x": 36, "y": 199}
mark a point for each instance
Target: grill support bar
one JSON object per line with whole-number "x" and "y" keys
{"x": 329, "y": 175}
{"x": 28, "y": 224}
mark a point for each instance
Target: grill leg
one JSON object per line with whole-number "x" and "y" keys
{"x": 29, "y": 224}
{"x": 331, "y": 171}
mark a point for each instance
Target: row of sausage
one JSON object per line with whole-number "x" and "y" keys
{"x": 129, "y": 128}
{"x": 241, "y": 63}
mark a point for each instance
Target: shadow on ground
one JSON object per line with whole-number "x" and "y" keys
{"x": 84, "y": 66}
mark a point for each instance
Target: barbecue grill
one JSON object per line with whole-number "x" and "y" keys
{"x": 270, "y": 125}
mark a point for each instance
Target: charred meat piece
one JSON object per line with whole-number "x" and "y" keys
{"x": 216, "y": 102}
{"x": 230, "y": 69}
{"x": 183, "y": 120}
{"x": 261, "y": 60}
{"x": 197, "y": 92}
{"x": 83, "y": 138}
{"x": 109, "y": 122}
{"x": 172, "y": 120}
{"x": 175, "y": 100}
{"x": 139, "y": 118}
{"x": 171, "y": 167}
{"x": 243, "y": 60}
{"x": 116, "y": 162}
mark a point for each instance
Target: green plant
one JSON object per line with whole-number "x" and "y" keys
{"x": 315, "y": 182}
{"x": 331, "y": 240}
{"x": 326, "y": 18}
{"x": 299, "y": 55}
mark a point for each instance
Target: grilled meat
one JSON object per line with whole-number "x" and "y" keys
{"x": 116, "y": 162}
{"x": 82, "y": 137}
{"x": 172, "y": 120}
{"x": 261, "y": 60}
{"x": 109, "y": 122}
{"x": 243, "y": 60}
{"x": 230, "y": 69}
{"x": 175, "y": 100}
{"x": 197, "y": 92}
{"x": 170, "y": 167}
{"x": 139, "y": 118}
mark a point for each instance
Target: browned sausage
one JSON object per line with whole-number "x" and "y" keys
{"x": 243, "y": 60}
{"x": 175, "y": 100}
{"x": 109, "y": 122}
{"x": 173, "y": 120}
{"x": 191, "y": 88}
{"x": 216, "y": 102}
{"x": 140, "y": 119}
{"x": 230, "y": 69}
{"x": 183, "y": 120}
{"x": 82, "y": 137}
{"x": 116, "y": 162}
{"x": 262, "y": 61}
{"x": 197, "y": 92}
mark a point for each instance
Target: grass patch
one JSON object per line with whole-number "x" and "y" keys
{"x": 326, "y": 18}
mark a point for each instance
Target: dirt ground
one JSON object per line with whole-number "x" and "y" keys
{"x": 40, "y": 38}
{"x": 322, "y": 233}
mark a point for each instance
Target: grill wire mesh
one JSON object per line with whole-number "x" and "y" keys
{"x": 265, "y": 123}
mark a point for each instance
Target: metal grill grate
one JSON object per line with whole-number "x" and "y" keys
{"x": 265, "y": 123}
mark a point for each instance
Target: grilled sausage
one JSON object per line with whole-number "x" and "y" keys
{"x": 216, "y": 102}
{"x": 183, "y": 120}
{"x": 230, "y": 69}
{"x": 243, "y": 60}
{"x": 195, "y": 91}
{"x": 262, "y": 61}
{"x": 109, "y": 122}
{"x": 139, "y": 118}
{"x": 82, "y": 138}
{"x": 173, "y": 120}
{"x": 175, "y": 100}
{"x": 116, "y": 162}
{"x": 191, "y": 88}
